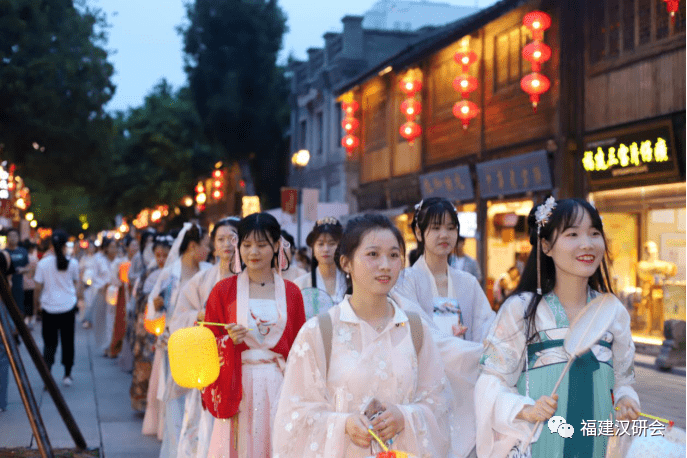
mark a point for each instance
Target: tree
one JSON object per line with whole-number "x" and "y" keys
{"x": 54, "y": 81}
{"x": 157, "y": 153}
{"x": 241, "y": 95}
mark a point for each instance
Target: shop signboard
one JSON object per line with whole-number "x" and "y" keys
{"x": 514, "y": 175}
{"x": 453, "y": 184}
{"x": 631, "y": 157}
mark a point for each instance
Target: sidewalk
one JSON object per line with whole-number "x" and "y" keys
{"x": 98, "y": 399}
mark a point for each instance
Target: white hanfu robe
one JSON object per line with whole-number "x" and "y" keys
{"x": 314, "y": 405}
{"x": 460, "y": 356}
{"x": 499, "y": 400}
{"x": 166, "y": 391}
{"x": 418, "y": 284}
{"x": 197, "y": 423}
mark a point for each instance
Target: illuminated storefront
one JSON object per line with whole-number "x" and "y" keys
{"x": 636, "y": 183}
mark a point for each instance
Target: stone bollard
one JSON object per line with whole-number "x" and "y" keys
{"x": 672, "y": 351}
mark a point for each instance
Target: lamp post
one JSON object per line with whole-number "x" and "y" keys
{"x": 300, "y": 160}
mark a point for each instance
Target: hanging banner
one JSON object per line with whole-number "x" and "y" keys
{"x": 289, "y": 200}
{"x": 311, "y": 199}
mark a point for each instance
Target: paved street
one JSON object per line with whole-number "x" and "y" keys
{"x": 99, "y": 400}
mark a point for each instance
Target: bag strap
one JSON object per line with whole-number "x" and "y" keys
{"x": 416, "y": 331}
{"x": 325, "y": 322}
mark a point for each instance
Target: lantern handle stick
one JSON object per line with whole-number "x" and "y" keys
{"x": 208, "y": 323}
{"x": 381, "y": 443}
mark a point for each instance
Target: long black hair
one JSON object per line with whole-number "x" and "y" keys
{"x": 59, "y": 240}
{"x": 265, "y": 227}
{"x": 195, "y": 233}
{"x": 354, "y": 232}
{"x": 330, "y": 226}
{"x": 145, "y": 236}
{"x": 566, "y": 214}
{"x": 431, "y": 211}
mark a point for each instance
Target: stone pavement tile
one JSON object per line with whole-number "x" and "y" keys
{"x": 124, "y": 440}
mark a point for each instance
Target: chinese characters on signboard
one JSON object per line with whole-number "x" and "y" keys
{"x": 454, "y": 184}
{"x": 514, "y": 175}
{"x": 619, "y": 157}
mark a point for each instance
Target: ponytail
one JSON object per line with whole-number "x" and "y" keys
{"x": 59, "y": 240}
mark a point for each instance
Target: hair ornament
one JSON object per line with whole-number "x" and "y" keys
{"x": 282, "y": 261}
{"x": 544, "y": 211}
{"x": 237, "y": 257}
{"x": 541, "y": 216}
{"x": 418, "y": 207}
{"x": 326, "y": 220}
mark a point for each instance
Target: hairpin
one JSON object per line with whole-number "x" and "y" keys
{"x": 327, "y": 220}
{"x": 541, "y": 216}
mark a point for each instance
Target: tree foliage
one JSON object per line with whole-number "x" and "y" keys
{"x": 54, "y": 81}
{"x": 240, "y": 93}
{"x": 158, "y": 152}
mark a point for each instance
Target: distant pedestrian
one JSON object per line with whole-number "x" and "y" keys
{"x": 464, "y": 262}
{"x": 20, "y": 260}
{"x": 58, "y": 289}
{"x": 29, "y": 284}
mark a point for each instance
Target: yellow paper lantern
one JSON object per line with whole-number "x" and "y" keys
{"x": 124, "y": 271}
{"x": 155, "y": 326}
{"x": 111, "y": 294}
{"x": 193, "y": 357}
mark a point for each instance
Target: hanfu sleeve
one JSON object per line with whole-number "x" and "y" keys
{"x": 188, "y": 305}
{"x": 623, "y": 349}
{"x": 307, "y": 423}
{"x": 405, "y": 285}
{"x": 151, "y": 313}
{"x": 427, "y": 427}
{"x": 497, "y": 401}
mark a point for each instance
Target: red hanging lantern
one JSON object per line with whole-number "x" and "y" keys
{"x": 465, "y": 84}
{"x": 537, "y": 22}
{"x": 350, "y": 142}
{"x": 350, "y": 125}
{"x": 411, "y": 108}
{"x": 410, "y": 131}
{"x": 465, "y": 59}
{"x": 410, "y": 86}
{"x": 537, "y": 53}
{"x": 672, "y": 6}
{"x": 350, "y": 107}
{"x": 465, "y": 110}
{"x": 535, "y": 84}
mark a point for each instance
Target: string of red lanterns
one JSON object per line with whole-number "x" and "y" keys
{"x": 465, "y": 110}
{"x": 350, "y": 124}
{"x": 537, "y": 52}
{"x": 411, "y": 85}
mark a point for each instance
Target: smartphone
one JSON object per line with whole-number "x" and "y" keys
{"x": 373, "y": 409}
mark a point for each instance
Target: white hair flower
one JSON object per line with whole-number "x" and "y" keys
{"x": 544, "y": 211}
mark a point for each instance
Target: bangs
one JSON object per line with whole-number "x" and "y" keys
{"x": 435, "y": 214}
{"x": 259, "y": 234}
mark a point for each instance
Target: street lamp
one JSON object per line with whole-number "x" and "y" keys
{"x": 300, "y": 160}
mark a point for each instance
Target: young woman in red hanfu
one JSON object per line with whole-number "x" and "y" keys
{"x": 263, "y": 314}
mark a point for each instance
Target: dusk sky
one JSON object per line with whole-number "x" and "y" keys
{"x": 147, "y": 47}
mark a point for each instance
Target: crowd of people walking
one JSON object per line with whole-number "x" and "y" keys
{"x": 412, "y": 357}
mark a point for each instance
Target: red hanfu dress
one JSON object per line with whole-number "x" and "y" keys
{"x": 246, "y": 394}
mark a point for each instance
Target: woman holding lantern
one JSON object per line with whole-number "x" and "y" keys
{"x": 263, "y": 313}
{"x": 185, "y": 259}
{"x": 144, "y": 345}
{"x": 197, "y": 423}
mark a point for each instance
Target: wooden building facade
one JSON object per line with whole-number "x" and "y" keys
{"x": 511, "y": 157}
